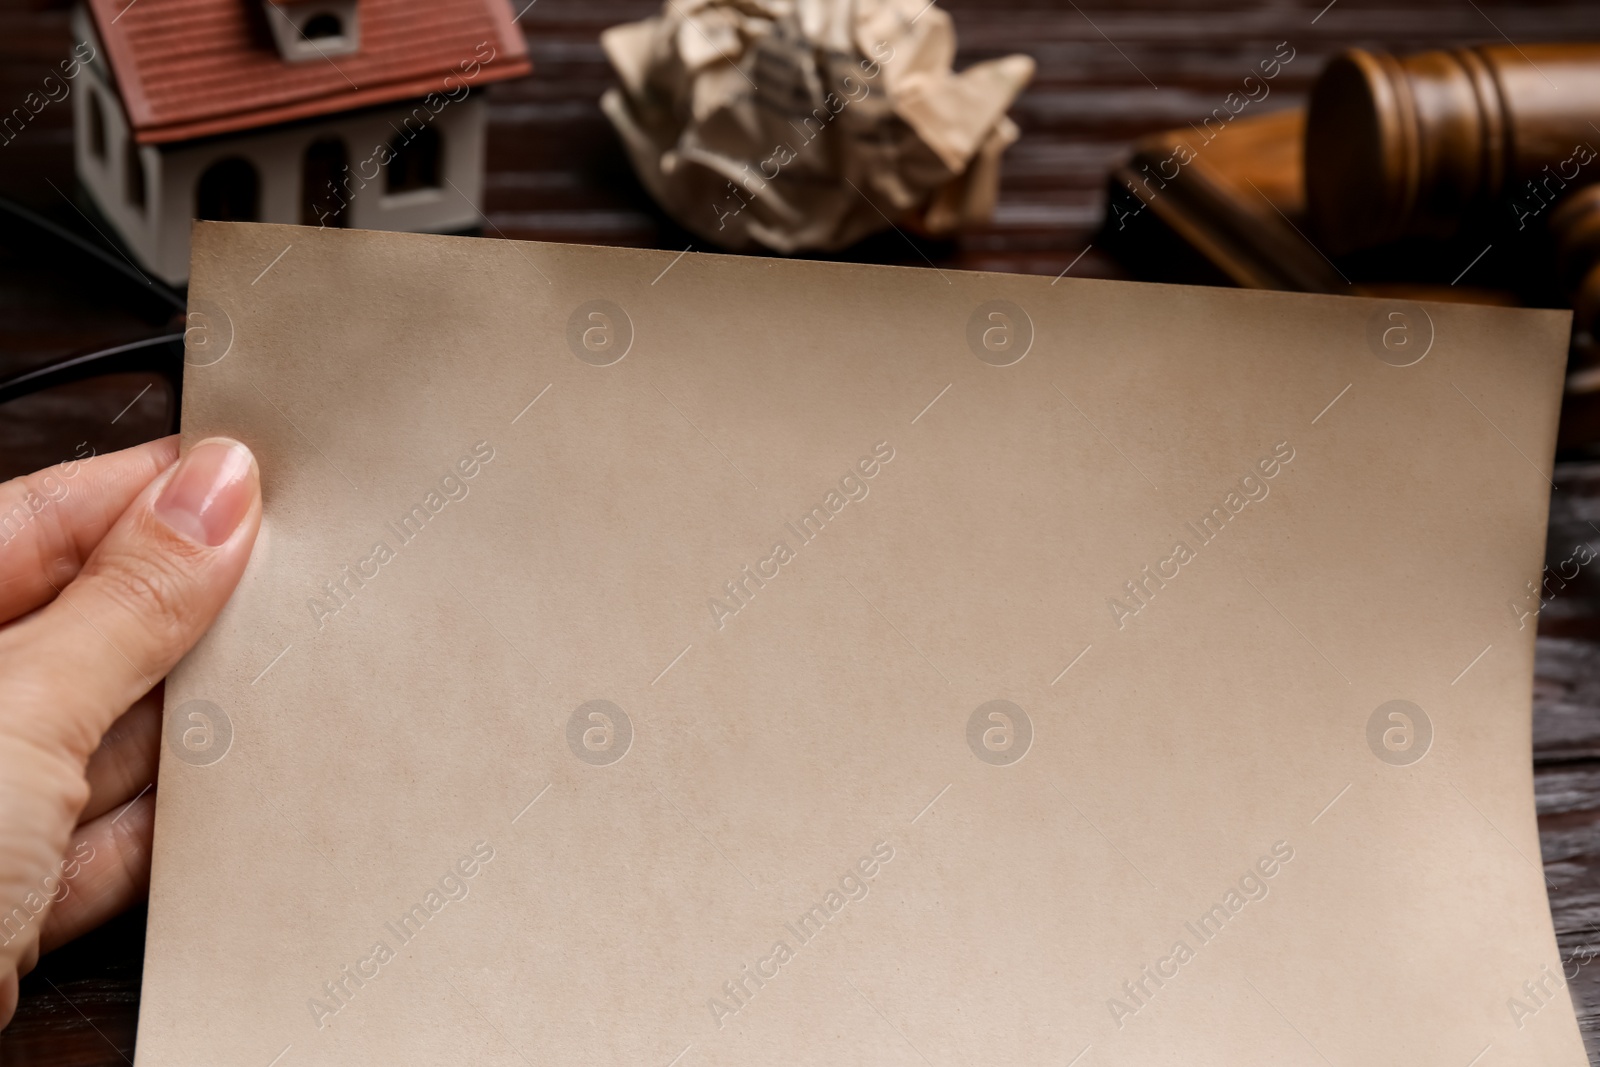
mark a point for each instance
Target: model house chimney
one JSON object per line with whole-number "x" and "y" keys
{"x": 314, "y": 29}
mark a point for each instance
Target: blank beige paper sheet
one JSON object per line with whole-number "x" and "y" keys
{"x": 697, "y": 661}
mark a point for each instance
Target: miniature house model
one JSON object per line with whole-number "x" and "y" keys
{"x": 358, "y": 113}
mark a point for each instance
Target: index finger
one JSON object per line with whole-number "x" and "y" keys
{"x": 51, "y": 521}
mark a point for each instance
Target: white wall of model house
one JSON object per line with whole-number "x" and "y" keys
{"x": 156, "y": 232}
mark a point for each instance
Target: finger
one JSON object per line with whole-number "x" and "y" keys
{"x": 41, "y": 793}
{"x": 8, "y": 997}
{"x": 50, "y": 521}
{"x": 141, "y": 601}
{"x": 30, "y": 959}
{"x": 109, "y": 863}
{"x": 125, "y": 763}
{"x": 9, "y": 994}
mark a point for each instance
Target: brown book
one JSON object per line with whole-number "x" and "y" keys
{"x": 1231, "y": 211}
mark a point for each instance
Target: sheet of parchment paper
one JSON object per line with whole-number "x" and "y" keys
{"x": 694, "y": 660}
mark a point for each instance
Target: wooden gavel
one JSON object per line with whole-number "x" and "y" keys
{"x": 1415, "y": 146}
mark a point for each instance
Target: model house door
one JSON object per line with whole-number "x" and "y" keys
{"x": 229, "y": 191}
{"x": 325, "y": 187}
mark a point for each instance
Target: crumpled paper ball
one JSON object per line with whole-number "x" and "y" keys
{"x": 799, "y": 125}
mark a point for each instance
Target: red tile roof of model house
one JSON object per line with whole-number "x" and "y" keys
{"x": 195, "y": 68}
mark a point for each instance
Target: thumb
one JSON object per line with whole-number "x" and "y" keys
{"x": 142, "y": 600}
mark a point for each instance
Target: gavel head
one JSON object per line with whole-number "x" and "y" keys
{"x": 1401, "y": 147}
{"x": 1425, "y": 145}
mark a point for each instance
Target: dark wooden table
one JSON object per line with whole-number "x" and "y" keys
{"x": 1107, "y": 74}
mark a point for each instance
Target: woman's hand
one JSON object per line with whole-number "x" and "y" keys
{"x": 110, "y": 570}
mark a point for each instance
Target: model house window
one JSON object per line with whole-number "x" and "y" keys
{"x": 133, "y": 178}
{"x": 320, "y": 27}
{"x": 97, "y": 127}
{"x": 416, "y": 161}
{"x": 229, "y": 191}
{"x": 324, "y": 188}
{"x": 308, "y": 31}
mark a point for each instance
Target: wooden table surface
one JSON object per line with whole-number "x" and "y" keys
{"x": 1107, "y": 74}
